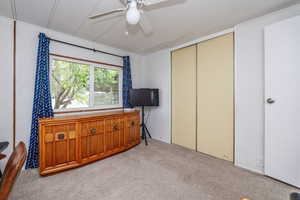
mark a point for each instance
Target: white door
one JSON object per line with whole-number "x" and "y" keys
{"x": 282, "y": 101}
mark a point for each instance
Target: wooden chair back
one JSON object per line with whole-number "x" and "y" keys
{"x": 12, "y": 169}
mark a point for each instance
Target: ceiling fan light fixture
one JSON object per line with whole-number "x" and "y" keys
{"x": 133, "y": 14}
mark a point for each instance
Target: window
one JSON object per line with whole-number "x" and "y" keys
{"x": 77, "y": 85}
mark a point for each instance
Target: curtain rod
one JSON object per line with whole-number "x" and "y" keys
{"x": 83, "y": 47}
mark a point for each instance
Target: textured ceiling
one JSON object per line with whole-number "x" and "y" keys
{"x": 174, "y": 22}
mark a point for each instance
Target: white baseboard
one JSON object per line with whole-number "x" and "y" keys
{"x": 250, "y": 169}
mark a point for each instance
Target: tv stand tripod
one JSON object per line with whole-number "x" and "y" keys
{"x": 145, "y": 130}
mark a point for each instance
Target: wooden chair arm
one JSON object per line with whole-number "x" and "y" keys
{"x": 2, "y": 156}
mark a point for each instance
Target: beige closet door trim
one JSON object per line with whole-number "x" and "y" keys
{"x": 184, "y": 63}
{"x": 215, "y": 97}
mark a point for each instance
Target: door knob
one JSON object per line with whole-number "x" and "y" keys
{"x": 270, "y": 101}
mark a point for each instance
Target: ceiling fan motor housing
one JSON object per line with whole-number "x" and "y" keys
{"x": 129, "y": 1}
{"x": 137, "y": 1}
{"x": 133, "y": 15}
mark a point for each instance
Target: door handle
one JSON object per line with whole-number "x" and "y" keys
{"x": 270, "y": 101}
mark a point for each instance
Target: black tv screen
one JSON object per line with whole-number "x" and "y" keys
{"x": 144, "y": 97}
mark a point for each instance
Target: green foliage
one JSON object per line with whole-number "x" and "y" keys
{"x": 70, "y": 82}
{"x": 106, "y": 80}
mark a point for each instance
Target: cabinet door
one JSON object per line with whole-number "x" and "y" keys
{"x": 92, "y": 139}
{"x": 137, "y": 126}
{"x": 114, "y": 133}
{"x": 132, "y": 130}
{"x": 59, "y": 146}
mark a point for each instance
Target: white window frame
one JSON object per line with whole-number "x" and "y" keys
{"x": 91, "y": 84}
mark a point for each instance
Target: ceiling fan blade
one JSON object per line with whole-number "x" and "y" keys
{"x": 145, "y": 24}
{"x": 107, "y": 13}
{"x": 152, "y": 2}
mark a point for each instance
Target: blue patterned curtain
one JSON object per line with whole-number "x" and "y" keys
{"x": 42, "y": 106}
{"x": 127, "y": 82}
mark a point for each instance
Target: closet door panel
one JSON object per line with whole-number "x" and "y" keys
{"x": 184, "y": 97}
{"x": 215, "y": 97}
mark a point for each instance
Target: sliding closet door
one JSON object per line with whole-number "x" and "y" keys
{"x": 215, "y": 97}
{"x": 184, "y": 97}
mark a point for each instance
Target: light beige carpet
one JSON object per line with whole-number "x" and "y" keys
{"x": 157, "y": 172}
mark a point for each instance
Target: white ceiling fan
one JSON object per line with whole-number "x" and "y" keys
{"x": 134, "y": 13}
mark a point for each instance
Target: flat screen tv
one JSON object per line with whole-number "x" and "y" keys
{"x": 144, "y": 97}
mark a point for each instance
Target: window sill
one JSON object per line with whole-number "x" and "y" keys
{"x": 85, "y": 110}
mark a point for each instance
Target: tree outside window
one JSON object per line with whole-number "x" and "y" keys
{"x": 80, "y": 85}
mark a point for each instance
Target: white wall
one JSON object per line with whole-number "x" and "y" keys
{"x": 250, "y": 88}
{"x": 249, "y": 81}
{"x": 157, "y": 75}
{"x": 156, "y": 71}
{"x": 27, "y": 43}
{"x": 153, "y": 71}
{"x": 6, "y": 78}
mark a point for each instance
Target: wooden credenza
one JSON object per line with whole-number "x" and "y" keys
{"x": 69, "y": 142}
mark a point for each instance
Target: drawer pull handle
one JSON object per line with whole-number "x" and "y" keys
{"x": 93, "y": 131}
{"x": 61, "y": 136}
{"x": 132, "y": 123}
{"x": 115, "y": 128}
